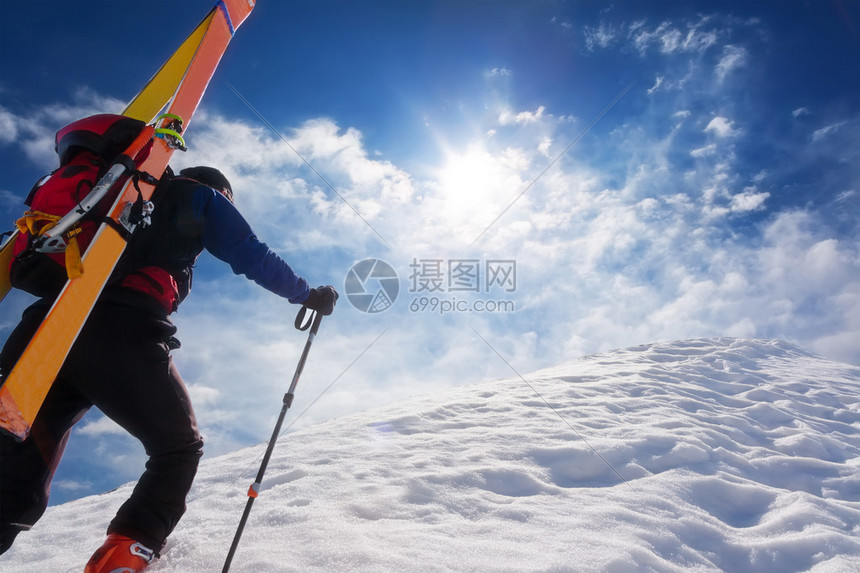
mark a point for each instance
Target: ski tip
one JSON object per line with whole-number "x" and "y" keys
{"x": 235, "y": 12}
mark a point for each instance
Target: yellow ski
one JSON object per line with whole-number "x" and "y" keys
{"x": 178, "y": 86}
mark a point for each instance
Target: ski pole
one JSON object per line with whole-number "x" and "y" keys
{"x": 313, "y": 323}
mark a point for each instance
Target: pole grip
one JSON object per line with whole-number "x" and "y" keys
{"x": 303, "y": 323}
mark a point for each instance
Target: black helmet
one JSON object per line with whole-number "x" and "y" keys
{"x": 211, "y": 177}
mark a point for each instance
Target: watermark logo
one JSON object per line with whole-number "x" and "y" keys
{"x": 437, "y": 286}
{"x": 436, "y": 283}
{"x": 372, "y": 285}
{"x": 462, "y": 275}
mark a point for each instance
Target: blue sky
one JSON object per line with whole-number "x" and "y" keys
{"x": 718, "y": 196}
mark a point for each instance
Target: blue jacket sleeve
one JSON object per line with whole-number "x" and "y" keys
{"x": 228, "y": 236}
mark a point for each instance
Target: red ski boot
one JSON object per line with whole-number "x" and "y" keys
{"x": 120, "y": 554}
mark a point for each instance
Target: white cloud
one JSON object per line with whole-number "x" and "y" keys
{"x": 565, "y": 24}
{"x": 800, "y": 112}
{"x": 760, "y": 176}
{"x": 845, "y": 195}
{"x": 733, "y": 58}
{"x": 800, "y": 265}
{"x": 10, "y": 198}
{"x": 545, "y": 146}
{"x": 657, "y": 83}
{"x": 365, "y": 186}
{"x": 571, "y": 225}
{"x": 749, "y": 200}
{"x": 705, "y": 151}
{"x": 202, "y": 394}
{"x": 8, "y": 126}
{"x": 101, "y": 426}
{"x": 642, "y": 39}
{"x": 670, "y": 39}
{"x": 602, "y": 36}
{"x": 72, "y": 486}
{"x": 35, "y": 132}
{"x": 721, "y": 127}
{"x": 828, "y": 130}
{"x": 697, "y": 41}
{"x": 507, "y": 117}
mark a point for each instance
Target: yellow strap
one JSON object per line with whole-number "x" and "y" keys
{"x": 74, "y": 266}
{"x": 36, "y": 222}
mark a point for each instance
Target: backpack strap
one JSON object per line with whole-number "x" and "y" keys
{"x": 140, "y": 209}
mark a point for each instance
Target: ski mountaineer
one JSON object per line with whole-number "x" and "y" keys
{"x": 121, "y": 363}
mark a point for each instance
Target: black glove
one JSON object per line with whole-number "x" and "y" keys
{"x": 322, "y": 299}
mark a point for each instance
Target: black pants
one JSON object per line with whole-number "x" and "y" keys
{"x": 121, "y": 364}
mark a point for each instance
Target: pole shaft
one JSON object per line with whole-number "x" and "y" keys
{"x": 288, "y": 400}
{"x": 238, "y": 535}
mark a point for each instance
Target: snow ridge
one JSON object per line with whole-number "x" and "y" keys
{"x": 708, "y": 455}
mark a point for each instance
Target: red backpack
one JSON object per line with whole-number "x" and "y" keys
{"x": 87, "y": 148}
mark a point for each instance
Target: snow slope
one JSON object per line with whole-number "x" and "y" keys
{"x": 718, "y": 454}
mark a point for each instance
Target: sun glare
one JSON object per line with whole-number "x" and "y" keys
{"x": 472, "y": 182}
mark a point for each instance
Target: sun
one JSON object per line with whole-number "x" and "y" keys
{"x": 472, "y": 184}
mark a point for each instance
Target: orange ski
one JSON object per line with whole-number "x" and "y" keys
{"x": 179, "y": 84}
